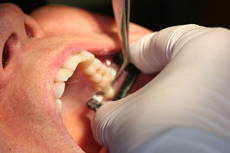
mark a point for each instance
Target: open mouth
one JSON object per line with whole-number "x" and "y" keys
{"x": 98, "y": 75}
{"x": 79, "y": 77}
{"x": 83, "y": 73}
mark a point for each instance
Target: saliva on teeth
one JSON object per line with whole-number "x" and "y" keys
{"x": 101, "y": 75}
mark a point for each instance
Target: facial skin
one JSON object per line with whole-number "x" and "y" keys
{"x": 37, "y": 47}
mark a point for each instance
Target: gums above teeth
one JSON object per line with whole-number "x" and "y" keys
{"x": 101, "y": 75}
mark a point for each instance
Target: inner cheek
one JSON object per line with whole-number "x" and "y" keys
{"x": 74, "y": 111}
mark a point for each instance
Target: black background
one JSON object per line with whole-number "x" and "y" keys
{"x": 158, "y": 14}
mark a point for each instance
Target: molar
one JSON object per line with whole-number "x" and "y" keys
{"x": 96, "y": 78}
{"x": 109, "y": 92}
{"x": 107, "y": 78}
{"x": 91, "y": 67}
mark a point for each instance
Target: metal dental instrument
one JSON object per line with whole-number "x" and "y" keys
{"x": 121, "y": 9}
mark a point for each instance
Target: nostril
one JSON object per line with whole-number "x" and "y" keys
{"x": 5, "y": 56}
{"x": 32, "y": 28}
{"x": 29, "y": 31}
{"x": 7, "y": 49}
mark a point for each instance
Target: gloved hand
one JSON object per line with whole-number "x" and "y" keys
{"x": 192, "y": 89}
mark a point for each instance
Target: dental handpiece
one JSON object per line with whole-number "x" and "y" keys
{"x": 121, "y": 9}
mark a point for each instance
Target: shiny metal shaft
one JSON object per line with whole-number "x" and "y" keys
{"x": 121, "y": 9}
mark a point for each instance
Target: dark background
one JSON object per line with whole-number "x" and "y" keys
{"x": 153, "y": 14}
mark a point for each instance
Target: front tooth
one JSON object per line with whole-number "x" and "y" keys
{"x": 59, "y": 88}
{"x": 63, "y": 75}
{"x": 59, "y": 105}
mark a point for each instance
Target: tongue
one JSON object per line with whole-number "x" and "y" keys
{"x": 63, "y": 20}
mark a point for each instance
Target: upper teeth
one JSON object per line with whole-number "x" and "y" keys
{"x": 98, "y": 73}
{"x": 59, "y": 89}
{"x": 63, "y": 75}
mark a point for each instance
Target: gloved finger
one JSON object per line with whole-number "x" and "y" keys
{"x": 100, "y": 120}
{"x": 154, "y": 51}
{"x": 195, "y": 75}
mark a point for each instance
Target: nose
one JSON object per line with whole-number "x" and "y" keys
{"x": 15, "y": 29}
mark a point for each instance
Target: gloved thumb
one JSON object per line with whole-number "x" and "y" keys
{"x": 117, "y": 125}
{"x": 102, "y": 120}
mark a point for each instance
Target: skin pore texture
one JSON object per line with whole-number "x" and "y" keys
{"x": 37, "y": 46}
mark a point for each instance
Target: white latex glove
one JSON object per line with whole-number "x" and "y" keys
{"x": 191, "y": 91}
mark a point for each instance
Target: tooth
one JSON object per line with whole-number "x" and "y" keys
{"x": 106, "y": 79}
{"x": 96, "y": 78}
{"x": 97, "y": 64}
{"x": 59, "y": 88}
{"x": 100, "y": 77}
{"x": 85, "y": 55}
{"x": 92, "y": 70}
{"x": 59, "y": 105}
{"x": 102, "y": 70}
{"x": 63, "y": 75}
{"x": 113, "y": 72}
{"x": 109, "y": 92}
{"x": 72, "y": 62}
{"x": 110, "y": 75}
{"x": 97, "y": 71}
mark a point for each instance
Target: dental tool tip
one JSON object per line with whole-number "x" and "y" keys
{"x": 93, "y": 104}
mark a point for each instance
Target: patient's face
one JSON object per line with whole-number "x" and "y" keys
{"x": 36, "y": 115}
